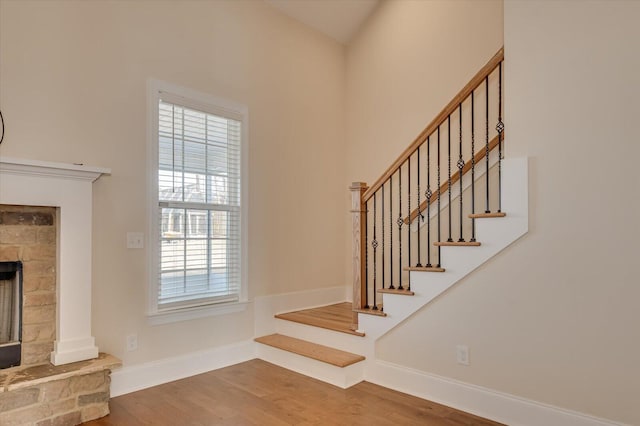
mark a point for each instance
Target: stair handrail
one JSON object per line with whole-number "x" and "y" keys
{"x": 436, "y": 122}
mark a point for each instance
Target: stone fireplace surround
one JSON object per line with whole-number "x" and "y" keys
{"x": 74, "y": 387}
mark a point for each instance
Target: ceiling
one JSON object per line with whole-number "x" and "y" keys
{"x": 339, "y": 19}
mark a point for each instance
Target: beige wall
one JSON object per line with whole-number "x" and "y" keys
{"x": 554, "y": 318}
{"x": 73, "y": 89}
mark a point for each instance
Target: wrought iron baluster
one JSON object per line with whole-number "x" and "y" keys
{"x": 473, "y": 170}
{"x": 409, "y": 212}
{"x": 500, "y": 128}
{"x": 439, "y": 196}
{"x": 399, "y": 222}
{"x": 428, "y": 194}
{"x": 382, "y": 223}
{"x": 391, "y": 286}
{"x": 460, "y": 167}
{"x": 449, "y": 165}
{"x": 486, "y": 84}
{"x": 419, "y": 217}
{"x": 366, "y": 260}
{"x": 374, "y": 244}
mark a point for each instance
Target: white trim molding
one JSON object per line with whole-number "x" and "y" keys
{"x": 137, "y": 377}
{"x": 483, "y": 402}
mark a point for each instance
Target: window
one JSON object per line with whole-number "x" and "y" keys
{"x": 196, "y": 199}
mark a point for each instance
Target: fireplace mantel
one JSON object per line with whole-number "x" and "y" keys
{"x": 69, "y": 188}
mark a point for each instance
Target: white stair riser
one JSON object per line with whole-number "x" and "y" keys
{"x": 321, "y": 336}
{"x": 342, "y": 377}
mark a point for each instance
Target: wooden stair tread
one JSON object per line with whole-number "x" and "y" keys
{"x": 370, "y": 311}
{"x": 424, "y": 268}
{"x": 336, "y": 317}
{"x": 484, "y": 215}
{"x": 311, "y": 350}
{"x": 457, "y": 243}
{"x": 403, "y": 292}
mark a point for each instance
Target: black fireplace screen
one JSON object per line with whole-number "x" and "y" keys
{"x": 10, "y": 313}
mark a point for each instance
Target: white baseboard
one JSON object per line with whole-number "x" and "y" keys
{"x": 142, "y": 376}
{"x": 483, "y": 402}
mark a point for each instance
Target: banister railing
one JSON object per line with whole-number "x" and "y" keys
{"x": 402, "y": 220}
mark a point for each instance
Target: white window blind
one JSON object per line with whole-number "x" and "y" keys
{"x": 198, "y": 205}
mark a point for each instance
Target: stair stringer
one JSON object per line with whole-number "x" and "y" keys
{"x": 495, "y": 234}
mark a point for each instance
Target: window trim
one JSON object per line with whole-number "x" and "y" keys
{"x": 205, "y": 102}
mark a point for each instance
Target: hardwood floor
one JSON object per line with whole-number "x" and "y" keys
{"x": 258, "y": 393}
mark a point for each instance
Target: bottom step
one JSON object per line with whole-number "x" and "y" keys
{"x": 311, "y": 350}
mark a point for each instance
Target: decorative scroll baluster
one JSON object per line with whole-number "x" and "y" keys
{"x": 374, "y": 244}
{"x": 420, "y": 217}
{"x": 366, "y": 262}
{"x": 460, "y": 167}
{"x": 399, "y": 222}
{"x": 449, "y": 165}
{"x": 439, "y": 196}
{"x": 486, "y": 84}
{"x": 382, "y": 223}
{"x": 428, "y": 194}
{"x": 500, "y": 128}
{"x": 409, "y": 214}
{"x": 473, "y": 170}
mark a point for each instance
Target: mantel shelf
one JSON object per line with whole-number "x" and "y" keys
{"x": 51, "y": 169}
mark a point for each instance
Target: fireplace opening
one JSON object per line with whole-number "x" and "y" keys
{"x": 10, "y": 314}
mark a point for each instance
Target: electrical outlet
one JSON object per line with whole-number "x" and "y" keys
{"x": 132, "y": 342}
{"x": 462, "y": 354}
{"x": 135, "y": 240}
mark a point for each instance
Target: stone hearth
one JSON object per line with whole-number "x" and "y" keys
{"x": 47, "y": 395}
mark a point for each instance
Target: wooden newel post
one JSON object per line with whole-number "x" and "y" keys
{"x": 359, "y": 245}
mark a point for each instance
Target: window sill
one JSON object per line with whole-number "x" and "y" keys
{"x": 185, "y": 314}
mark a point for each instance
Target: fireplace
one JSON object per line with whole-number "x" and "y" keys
{"x": 66, "y": 188}
{"x": 45, "y": 248}
{"x": 10, "y": 314}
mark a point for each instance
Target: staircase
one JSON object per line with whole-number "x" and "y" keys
{"x": 415, "y": 235}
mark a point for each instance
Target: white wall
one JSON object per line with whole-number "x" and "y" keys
{"x": 554, "y": 317}
{"x": 73, "y": 80}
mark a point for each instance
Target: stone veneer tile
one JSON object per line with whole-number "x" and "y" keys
{"x": 40, "y": 298}
{"x": 88, "y": 382}
{"x": 26, "y": 218}
{"x": 18, "y": 399}
{"x": 53, "y": 391}
{"x": 36, "y": 352}
{"x": 38, "y": 332}
{"x": 18, "y": 235}
{"x": 92, "y": 412}
{"x": 25, "y": 416}
{"x": 93, "y": 398}
{"x": 38, "y": 314}
{"x": 74, "y": 418}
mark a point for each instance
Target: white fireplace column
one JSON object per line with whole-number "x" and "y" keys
{"x": 68, "y": 187}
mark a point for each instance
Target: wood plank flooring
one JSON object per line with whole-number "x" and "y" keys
{"x": 258, "y": 393}
{"x": 336, "y": 317}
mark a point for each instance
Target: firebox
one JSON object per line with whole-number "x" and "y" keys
{"x": 10, "y": 314}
